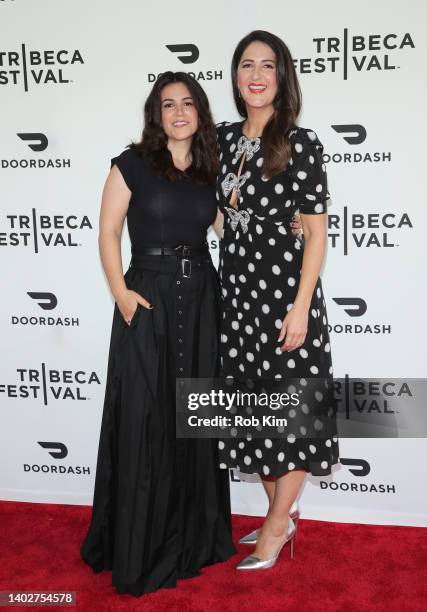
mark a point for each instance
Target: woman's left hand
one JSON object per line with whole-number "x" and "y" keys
{"x": 294, "y": 329}
{"x": 296, "y": 226}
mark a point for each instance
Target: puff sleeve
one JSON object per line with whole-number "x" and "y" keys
{"x": 221, "y": 126}
{"x": 125, "y": 163}
{"x": 308, "y": 172}
{"x": 220, "y": 130}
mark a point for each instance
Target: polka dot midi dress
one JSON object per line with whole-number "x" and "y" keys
{"x": 260, "y": 266}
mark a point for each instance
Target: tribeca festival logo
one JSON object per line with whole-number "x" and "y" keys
{"x": 359, "y": 468}
{"x": 58, "y": 451}
{"x": 45, "y": 301}
{"x": 37, "y": 142}
{"x": 29, "y": 68}
{"x": 349, "y": 53}
{"x": 354, "y": 134}
{"x": 356, "y": 307}
{"x": 366, "y": 230}
{"x": 357, "y": 396}
{"x": 189, "y": 53}
{"x": 38, "y": 231}
{"x": 48, "y": 385}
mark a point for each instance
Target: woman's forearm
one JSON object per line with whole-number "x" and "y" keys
{"x": 218, "y": 223}
{"x": 314, "y": 253}
{"x": 111, "y": 257}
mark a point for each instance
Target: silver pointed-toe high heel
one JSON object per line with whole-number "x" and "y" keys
{"x": 254, "y": 563}
{"x": 251, "y": 538}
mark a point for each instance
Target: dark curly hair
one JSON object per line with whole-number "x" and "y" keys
{"x": 153, "y": 143}
{"x": 287, "y": 103}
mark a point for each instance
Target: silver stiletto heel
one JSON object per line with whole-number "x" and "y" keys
{"x": 295, "y": 518}
{"x": 251, "y": 538}
{"x": 254, "y": 563}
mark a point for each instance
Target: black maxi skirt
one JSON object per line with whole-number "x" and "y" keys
{"x": 161, "y": 507}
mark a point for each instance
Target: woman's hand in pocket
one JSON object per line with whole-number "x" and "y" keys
{"x": 128, "y": 302}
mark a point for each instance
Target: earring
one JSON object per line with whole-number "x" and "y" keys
{"x": 240, "y": 95}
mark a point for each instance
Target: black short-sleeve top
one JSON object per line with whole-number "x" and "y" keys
{"x": 302, "y": 184}
{"x": 162, "y": 212}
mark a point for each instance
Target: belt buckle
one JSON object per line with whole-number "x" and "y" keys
{"x": 185, "y": 269}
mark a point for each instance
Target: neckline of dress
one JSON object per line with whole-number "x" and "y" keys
{"x": 244, "y": 135}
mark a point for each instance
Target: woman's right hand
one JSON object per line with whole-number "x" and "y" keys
{"x": 127, "y": 303}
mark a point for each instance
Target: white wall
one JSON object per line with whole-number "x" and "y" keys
{"x": 92, "y": 117}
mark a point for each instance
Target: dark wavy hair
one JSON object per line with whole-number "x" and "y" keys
{"x": 153, "y": 143}
{"x": 287, "y": 103}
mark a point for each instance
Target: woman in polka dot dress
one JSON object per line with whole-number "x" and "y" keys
{"x": 274, "y": 323}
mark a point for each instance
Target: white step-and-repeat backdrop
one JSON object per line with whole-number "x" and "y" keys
{"x": 73, "y": 78}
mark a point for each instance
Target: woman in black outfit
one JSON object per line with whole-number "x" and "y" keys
{"x": 161, "y": 506}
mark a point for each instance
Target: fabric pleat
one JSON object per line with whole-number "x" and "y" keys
{"x": 161, "y": 504}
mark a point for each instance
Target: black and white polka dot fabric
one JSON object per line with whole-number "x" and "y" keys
{"x": 260, "y": 265}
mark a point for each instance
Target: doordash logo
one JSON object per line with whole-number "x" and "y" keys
{"x": 354, "y": 134}
{"x": 187, "y": 54}
{"x": 39, "y": 139}
{"x": 359, "y": 468}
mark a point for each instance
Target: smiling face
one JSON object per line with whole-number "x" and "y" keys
{"x": 179, "y": 114}
{"x": 256, "y": 75}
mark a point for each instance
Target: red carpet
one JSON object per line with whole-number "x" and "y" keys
{"x": 336, "y": 567}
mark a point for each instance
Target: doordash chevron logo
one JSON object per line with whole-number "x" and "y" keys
{"x": 46, "y": 301}
{"x": 358, "y": 131}
{"x": 356, "y": 307}
{"x": 57, "y": 450}
{"x": 40, "y": 140}
{"x": 29, "y": 68}
{"x": 358, "y": 467}
{"x": 187, "y": 54}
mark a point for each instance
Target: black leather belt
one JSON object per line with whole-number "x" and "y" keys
{"x": 181, "y": 250}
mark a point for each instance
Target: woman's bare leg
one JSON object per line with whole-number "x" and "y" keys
{"x": 269, "y": 488}
{"x": 275, "y": 526}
